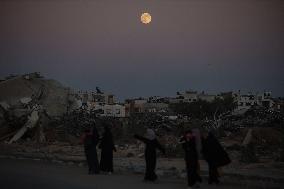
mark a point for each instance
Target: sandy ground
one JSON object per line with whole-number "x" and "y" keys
{"x": 38, "y": 174}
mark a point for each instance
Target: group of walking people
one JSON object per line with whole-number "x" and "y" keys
{"x": 206, "y": 145}
{"x": 194, "y": 144}
{"x": 91, "y": 139}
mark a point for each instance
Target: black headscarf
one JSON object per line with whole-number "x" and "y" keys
{"x": 96, "y": 136}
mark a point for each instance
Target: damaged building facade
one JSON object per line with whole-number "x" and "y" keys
{"x": 103, "y": 103}
{"x": 246, "y": 101}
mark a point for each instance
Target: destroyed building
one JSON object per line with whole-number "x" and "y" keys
{"x": 29, "y": 101}
{"x": 246, "y": 101}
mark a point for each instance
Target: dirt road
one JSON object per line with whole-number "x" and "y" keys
{"x": 21, "y": 174}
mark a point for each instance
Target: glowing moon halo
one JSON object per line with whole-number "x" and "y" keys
{"x": 146, "y": 18}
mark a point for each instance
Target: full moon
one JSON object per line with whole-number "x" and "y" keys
{"x": 146, "y": 18}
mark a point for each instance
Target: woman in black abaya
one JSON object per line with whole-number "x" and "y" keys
{"x": 107, "y": 148}
{"x": 152, "y": 144}
{"x": 90, "y": 140}
{"x": 191, "y": 159}
{"x": 215, "y": 155}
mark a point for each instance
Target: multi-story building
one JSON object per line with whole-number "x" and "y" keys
{"x": 104, "y": 104}
{"x": 191, "y": 96}
{"x": 245, "y": 102}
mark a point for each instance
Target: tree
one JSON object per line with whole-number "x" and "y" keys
{"x": 204, "y": 109}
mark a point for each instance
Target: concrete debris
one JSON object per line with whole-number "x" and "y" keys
{"x": 25, "y": 100}
{"x": 248, "y": 138}
{"x": 32, "y": 121}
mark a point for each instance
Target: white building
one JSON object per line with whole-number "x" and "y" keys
{"x": 111, "y": 110}
{"x": 189, "y": 96}
{"x": 155, "y": 107}
{"x": 245, "y": 102}
{"x": 265, "y": 99}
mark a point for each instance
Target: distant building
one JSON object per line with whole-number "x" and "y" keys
{"x": 112, "y": 110}
{"x": 158, "y": 99}
{"x": 92, "y": 99}
{"x": 279, "y": 104}
{"x": 206, "y": 97}
{"x": 265, "y": 99}
{"x": 245, "y": 102}
{"x": 99, "y": 101}
{"x": 156, "y": 107}
{"x": 142, "y": 105}
{"x": 191, "y": 96}
{"x": 135, "y": 106}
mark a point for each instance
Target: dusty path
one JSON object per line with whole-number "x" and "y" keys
{"x": 42, "y": 175}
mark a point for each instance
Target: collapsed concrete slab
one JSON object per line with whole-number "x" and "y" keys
{"x": 248, "y": 138}
{"x": 25, "y": 100}
{"x": 32, "y": 122}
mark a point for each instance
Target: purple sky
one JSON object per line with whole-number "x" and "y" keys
{"x": 218, "y": 45}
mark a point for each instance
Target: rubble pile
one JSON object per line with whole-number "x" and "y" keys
{"x": 254, "y": 117}
{"x": 28, "y": 103}
{"x": 75, "y": 122}
{"x": 256, "y": 144}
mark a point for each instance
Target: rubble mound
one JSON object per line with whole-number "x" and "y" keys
{"x": 26, "y": 90}
{"x": 30, "y": 100}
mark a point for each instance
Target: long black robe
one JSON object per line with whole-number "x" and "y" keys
{"x": 150, "y": 156}
{"x": 191, "y": 161}
{"x": 215, "y": 155}
{"x": 90, "y": 143}
{"x": 107, "y": 147}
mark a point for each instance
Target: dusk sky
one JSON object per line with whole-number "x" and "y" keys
{"x": 210, "y": 45}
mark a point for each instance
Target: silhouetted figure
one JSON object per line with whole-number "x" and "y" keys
{"x": 107, "y": 147}
{"x": 191, "y": 158}
{"x": 215, "y": 155}
{"x": 152, "y": 144}
{"x": 90, "y": 140}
